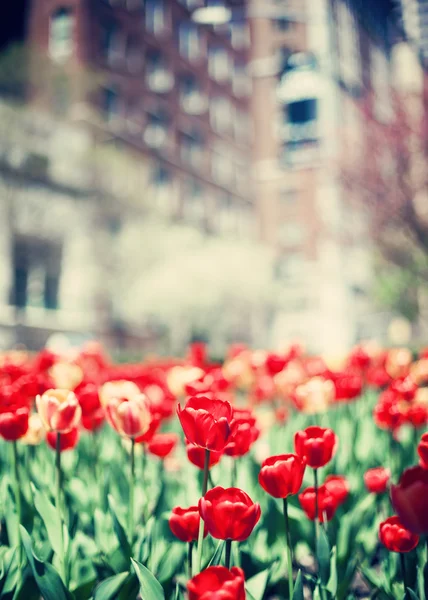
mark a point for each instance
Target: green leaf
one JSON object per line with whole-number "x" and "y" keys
{"x": 332, "y": 582}
{"x": 84, "y": 590}
{"x": 426, "y": 580}
{"x": 323, "y": 556}
{"x": 216, "y": 557}
{"x": 119, "y": 529}
{"x": 298, "y": 587}
{"x": 52, "y": 522}
{"x": 171, "y": 562}
{"x": 410, "y": 594}
{"x": 150, "y": 588}
{"x": 110, "y": 587}
{"x": 47, "y": 579}
{"x": 256, "y": 585}
{"x": 10, "y": 514}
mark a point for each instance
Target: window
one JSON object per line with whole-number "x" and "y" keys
{"x": 112, "y": 45}
{"x": 283, "y": 24}
{"x": 189, "y": 41}
{"x": 134, "y": 57}
{"x": 228, "y": 219}
{"x": 242, "y": 126}
{"x": 192, "y": 100}
{"x": 222, "y": 167}
{"x": 155, "y": 16}
{"x": 60, "y": 93}
{"x": 241, "y": 80}
{"x": 159, "y": 76}
{"x": 111, "y": 104}
{"x": 349, "y": 46}
{"x": 240, "y": 36}
{"x": 156, "y": 131}
{"x": 162, "y": 188}
{"x": 192, "y": 148}
{"x": 191, "y": 4}
{"x": 61, "y": 34}
{"x": 193, "y": 204}
{"x": 301, "y": 118}
{"x": 134, "y": 4}
{"x": 221, "y": 114}
{"x": 380, "y": 79}
{"x": 36, "y": 273}
{"x": 283, "y": 58}
{"x": 219, "y": 66}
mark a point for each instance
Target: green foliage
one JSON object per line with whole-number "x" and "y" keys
{"x": 105, "y": 564}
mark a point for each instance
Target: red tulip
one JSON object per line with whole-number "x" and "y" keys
{"x": 153, "y": 427}
{"x": 92, "y": 411}
{"x": 395, "y": 537}
{"x": 417, "y": 415}
{"x": 405, "y": 388}
{"x": 387, "y": 413}
{"x": 198, "y": 354}
{"x": 196, "y": 456}
{"x": 316, "y": 444}
{"x": 244, "y": 432}
{"x": 67, "y": 441}
{"x": 229, "y": 514}
{"x": 162, "y": 444}
{"x": 409, "y": 499}
{"x": 94, "y": 420}
{"x": 275, "y": 363}
{"x": 206, "y": 422}
{"x": 281, "y": 476}
{"x": 327, "y": 503}
{"x": 377, "y": 480}
{"x": 423, "y": 451}
{"x": 59, "y": 410}
{"x": 347, "y": 385}
{"x": 338, "y": 486}
{"x": 377, "y": 376}
{"x": 359, "y": 358}
{"x": 131, "y": 418}
{"x": 218, "y": 583}
{"x": 14, "y": 425}
{"x": 184, "y": 523}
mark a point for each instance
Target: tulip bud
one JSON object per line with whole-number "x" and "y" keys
{"x": 395, "y": 537}
{"x": 218, "y": 582}
{"x": 118, "y": 389}
{"x": 59, "y": 410}
{"x": 131, "y": 418}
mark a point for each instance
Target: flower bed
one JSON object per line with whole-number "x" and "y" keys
{"x": 271, "y": 475}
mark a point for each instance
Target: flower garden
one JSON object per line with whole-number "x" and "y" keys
{"x": 268, "y": 476}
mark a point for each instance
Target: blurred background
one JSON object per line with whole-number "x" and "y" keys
{"x": 180, "y": 170}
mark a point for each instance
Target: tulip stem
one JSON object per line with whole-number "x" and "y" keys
{"x": 316, "y": 520}
{"x": 289, "y": 549}
{"x": 131, "y": 494}
{"x": 403, "y": 572}
{"x": 17, "y": 493}
{"x": 143, "y": 474}
{"x": 228, "y": 553}
{"x": 190, "y": 559}
{"x": 58, "y": 502}
{"x": 233, "y": 472}
{"x": 201, "y": 522}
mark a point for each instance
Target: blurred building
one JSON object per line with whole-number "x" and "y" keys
{"x": 324, "y": 69}
{"x": 135, "y": 110}
{"x": 160, "y": 84}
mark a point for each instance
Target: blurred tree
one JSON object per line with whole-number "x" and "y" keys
{"x": 389, "y": 182}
